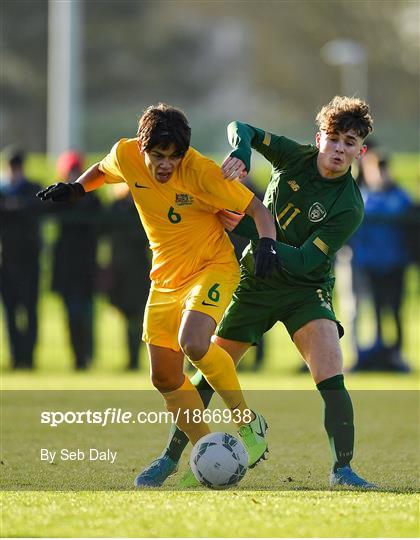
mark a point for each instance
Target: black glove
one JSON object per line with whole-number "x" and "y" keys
{"x": 62, "y": 192}
{"x": 266, "y": 258}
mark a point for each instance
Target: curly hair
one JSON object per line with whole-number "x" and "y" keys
{"x": 344, "y": 113}
{"x": 162, "y": 125}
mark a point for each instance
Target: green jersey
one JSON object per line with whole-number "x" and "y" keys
{"x": 314, "y": 215}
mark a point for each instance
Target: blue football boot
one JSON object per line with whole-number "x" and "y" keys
{"x": 157, "y": 472}
{"x": 345, "y": 476}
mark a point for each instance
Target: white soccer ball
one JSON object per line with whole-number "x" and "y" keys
{"x": 219, "y": 460}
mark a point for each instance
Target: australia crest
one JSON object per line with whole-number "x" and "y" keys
{"x": 316, "y": 212}
{"x": 183, "y": 199}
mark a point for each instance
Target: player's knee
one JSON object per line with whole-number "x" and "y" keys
{"x": 166, "y": 382}
{"x": 194, "y": 349}
{"x": 321, "y": 373}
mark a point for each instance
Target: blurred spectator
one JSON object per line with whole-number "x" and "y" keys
{"x": 20, "y": 250}
{"x": 74, "y": 260}
{"x": 127, "y": 280}
{"x": 239, "y": 244}
{"x": 412, "y": 218}
{"x": 380, "y": 257}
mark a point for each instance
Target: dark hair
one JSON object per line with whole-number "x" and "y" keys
{"x": 15, "y": 157}
{"x": 162, "y": 125}
{"x": 344, "y": 113}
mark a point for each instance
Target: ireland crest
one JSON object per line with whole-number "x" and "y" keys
{"x": 316, "y": 212}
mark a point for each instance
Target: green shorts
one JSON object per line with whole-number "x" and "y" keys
{"x": 256, "y": 307}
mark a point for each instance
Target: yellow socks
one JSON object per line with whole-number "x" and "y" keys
{"x": 181, "y": 403}
{"x": 218, "y": 368}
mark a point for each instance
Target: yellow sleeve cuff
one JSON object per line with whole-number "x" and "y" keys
{"x": 109, "y": 178}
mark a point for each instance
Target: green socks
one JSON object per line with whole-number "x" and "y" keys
{"x": 177, "y": 439}
{"x": 338, "y": 419}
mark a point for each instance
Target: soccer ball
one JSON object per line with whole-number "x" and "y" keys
{"x": 218, "y": 460}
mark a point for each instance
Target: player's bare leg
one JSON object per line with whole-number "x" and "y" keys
{"x": 318, "y": 343}
{"x": 166, "y": 368}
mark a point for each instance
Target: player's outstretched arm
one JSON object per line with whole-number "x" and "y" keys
{"x": 265, "y": 255}
{"x": 90, "y": 180}
{"x": 262, "y": 217}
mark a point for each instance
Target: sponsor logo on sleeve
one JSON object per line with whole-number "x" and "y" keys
{"x": 294, "y": 185}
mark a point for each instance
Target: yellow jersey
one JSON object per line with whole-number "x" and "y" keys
{"x": 179, "y": 216}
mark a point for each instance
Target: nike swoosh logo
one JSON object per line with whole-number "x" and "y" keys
{"x": 207, "y": 304}
{"x": 140, "y": 186}
{"x": 236, "y": 406}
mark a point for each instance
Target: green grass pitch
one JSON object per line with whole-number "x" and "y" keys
{"x": 287, "y": 496}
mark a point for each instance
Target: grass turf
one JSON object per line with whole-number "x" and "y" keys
{"x": 292, "y": 498}
{"x": 210, "y": 514}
